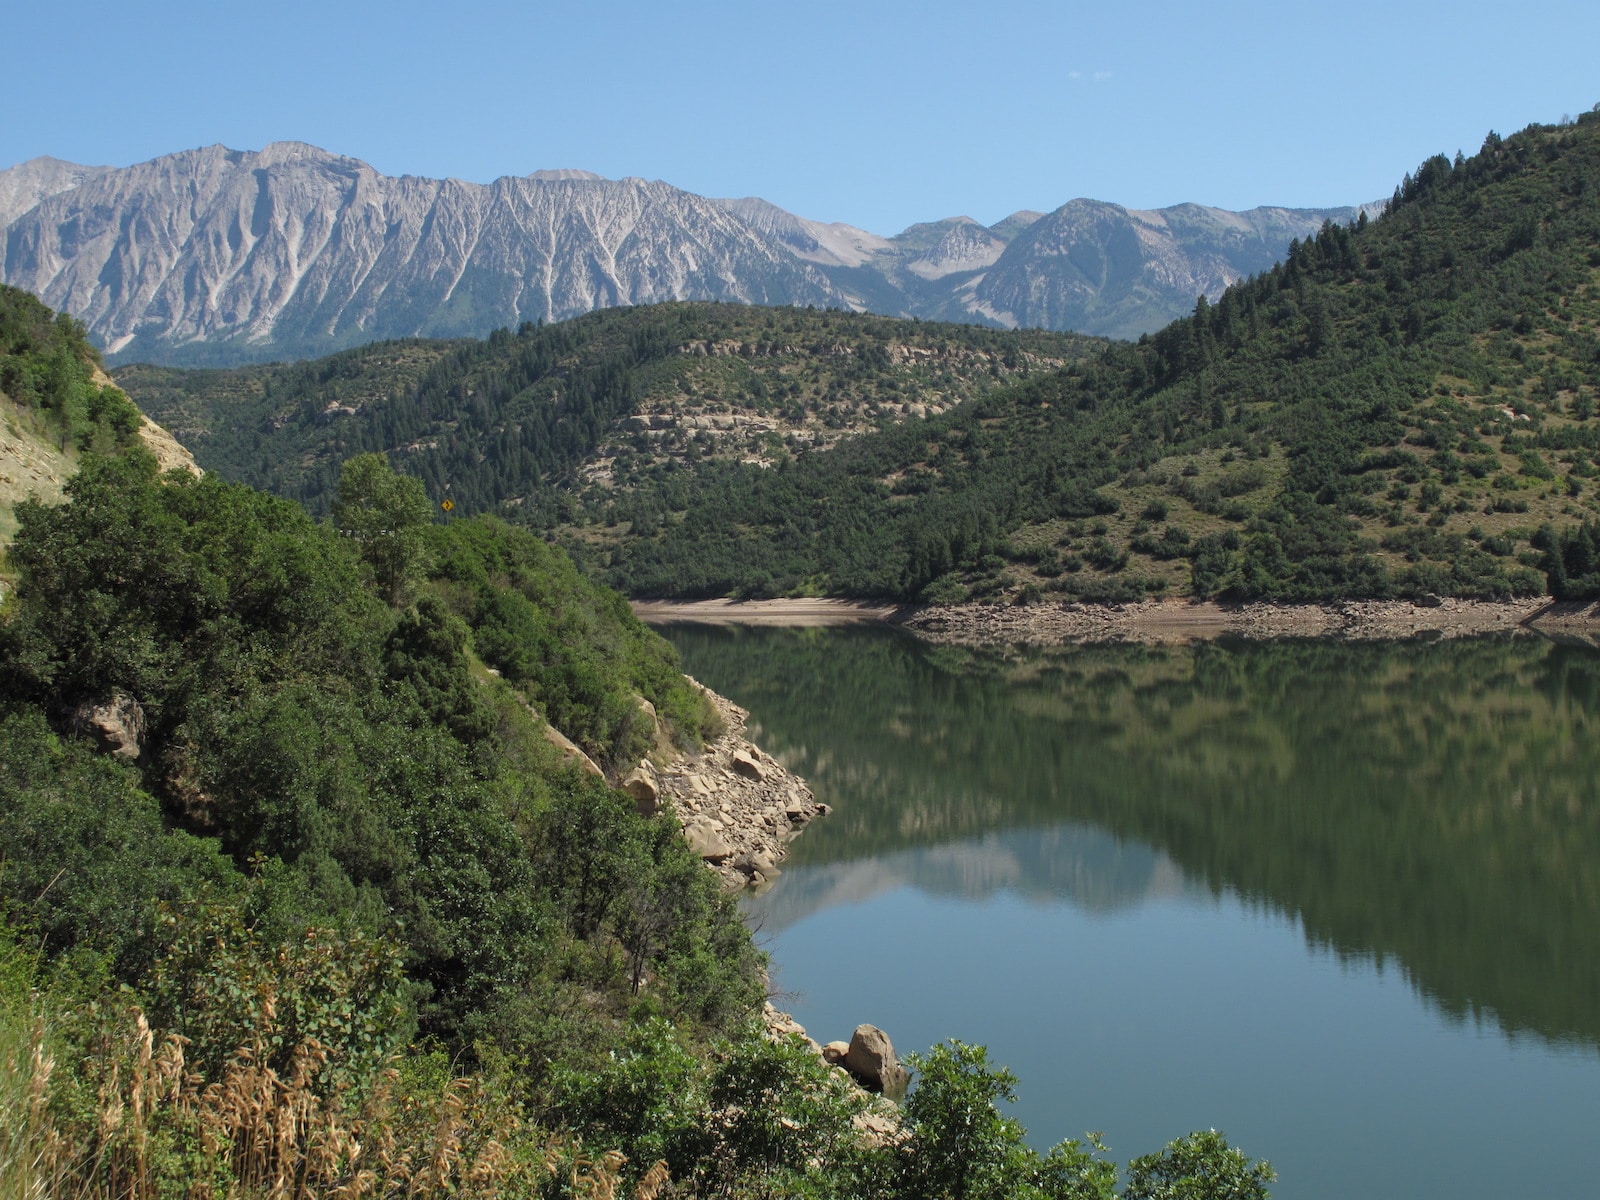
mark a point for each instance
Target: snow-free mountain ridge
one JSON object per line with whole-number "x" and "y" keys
{"x": 216, "y": 255}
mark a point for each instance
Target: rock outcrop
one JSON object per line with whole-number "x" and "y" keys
{"x": 739, "y": 805}
{"x": 116, "y": 724}
{"x": 571, "y": 752}
{"x": 880, "y": 1123}
{"x": 291, "y": 249}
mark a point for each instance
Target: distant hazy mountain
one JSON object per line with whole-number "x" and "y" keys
{"x": 217, "y": 255}
{"x": 1121, "y": 272}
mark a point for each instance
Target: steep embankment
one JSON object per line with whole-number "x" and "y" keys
{"x": 55, "y": 404}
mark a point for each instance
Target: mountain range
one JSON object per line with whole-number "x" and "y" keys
{"x": 216, "y": 256}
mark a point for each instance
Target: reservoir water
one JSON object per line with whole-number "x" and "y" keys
{"x": 1341, "y": 902}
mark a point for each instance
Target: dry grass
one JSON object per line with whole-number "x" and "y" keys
{"x": 147, "y": 1128}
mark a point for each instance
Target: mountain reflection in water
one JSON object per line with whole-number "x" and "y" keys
{"x": 1094, "y": 870}
{"x": 1432, "y": 806}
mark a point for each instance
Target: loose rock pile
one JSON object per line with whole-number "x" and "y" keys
{"x": 739, "y": 806}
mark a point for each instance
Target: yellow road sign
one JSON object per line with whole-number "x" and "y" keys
{"x": 447, "y": 505}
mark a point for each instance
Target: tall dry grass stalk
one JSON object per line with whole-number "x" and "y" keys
{"x": 156, "y": 1131}
{"x": 25, "y": 1071}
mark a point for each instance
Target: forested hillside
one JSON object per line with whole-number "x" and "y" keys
{"x": 1397, "y": 409}
{"x": 561, "y": 418}
{"x": 51, "y": 407}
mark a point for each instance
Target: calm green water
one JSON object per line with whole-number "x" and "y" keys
{"x": 1342, "y": 902}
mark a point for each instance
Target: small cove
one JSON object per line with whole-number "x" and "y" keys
{"x": 1341, "y": 901}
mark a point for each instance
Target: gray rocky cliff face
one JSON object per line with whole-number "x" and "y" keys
{"x": 218, "y": 255}
{"x": 295, "y": 249}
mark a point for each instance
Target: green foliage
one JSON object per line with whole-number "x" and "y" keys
{"x": 218, "y": 982}
{"x": 760, "y": 1118}
{"x": 386, "y": 785}
{"x": 87, "y": 852}
{"x": 576, "y": 650}
{"x": 1571, "y": 560}
{"x": 1347, "y": 376}
{"x": 385, "y": 515}
{"x": 47, "y": 364}
{"x": 1201, "y": 1166}
{"x": 961, "y": 1147}
{"x": 495, "y": 422}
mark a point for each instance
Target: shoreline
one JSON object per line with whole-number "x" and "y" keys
{"x": 740, "y": 808}
{"x": 1149, "y": 621}
{"x": 797, "y": 613}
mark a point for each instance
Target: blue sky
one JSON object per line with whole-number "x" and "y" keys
{"x": 875, "y": 112}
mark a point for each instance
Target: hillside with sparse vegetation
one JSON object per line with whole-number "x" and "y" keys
{"x": 1397, "y": 409}
{"x": 557, "y": 420}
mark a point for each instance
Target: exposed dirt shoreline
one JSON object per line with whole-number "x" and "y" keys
{"x": 804, "y": 612}
{"x": 1155, "y": 621}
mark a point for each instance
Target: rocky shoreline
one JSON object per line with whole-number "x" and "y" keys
{"x": 1154, "y": 621}
{"x": 738, "y": 805}
{"x": 739, "y": 808}
{"x": 1158, "y": 621}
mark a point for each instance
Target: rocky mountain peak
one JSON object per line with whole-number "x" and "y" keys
{"x": 561, "y": 174}
{"x": 214, "y": 255}
{"x": 23, "y": 186}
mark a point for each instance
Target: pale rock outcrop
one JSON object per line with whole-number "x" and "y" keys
{"x": 571, "y": 752}
{"x": 640, "y": 783}
{"x": 705, "y": 839}
{"x": 294, "y": 245}
{"x": 746, "y": 764}
{"x": 292, "y": 249}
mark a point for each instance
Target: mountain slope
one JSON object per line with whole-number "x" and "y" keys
{"x": 55, "y": 404}
{"x": 1121, "y": 272}
{"x": 1396, "y": 409}
{"x": 23, "y": 186}
{"x": 590, "y": 410}
{"x": 215, "y": 256}
{"x": 221, "y": 253}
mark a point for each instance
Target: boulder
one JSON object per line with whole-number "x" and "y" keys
{"x": 706, "y": 842}
{"x": 757, "y": 864}
{"x": 116, "y": 724}
{"x": 834, "y": 1052}
{"x": 571, "y": 752}
{"x": 640, "y": 783}
{"x": 871, "y": 1059}
{"x": 744, "y": 763}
